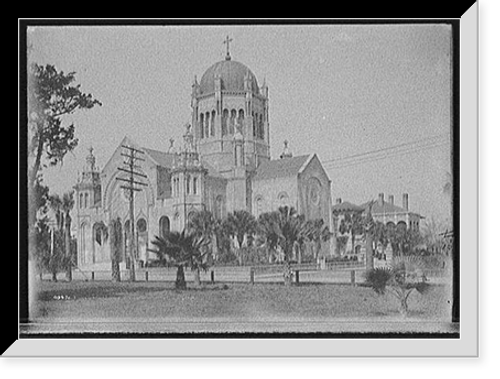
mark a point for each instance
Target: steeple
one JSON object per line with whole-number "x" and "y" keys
{"x": 90, "y": 159}
{"x": 188, "y": 157}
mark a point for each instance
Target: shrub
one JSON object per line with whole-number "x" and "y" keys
{"x": 404, "y": 276}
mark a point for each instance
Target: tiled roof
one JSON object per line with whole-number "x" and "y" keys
{"x": 279, "y": 168}
{"x": 345, "y": 206}
{"x": 384, "y": 208}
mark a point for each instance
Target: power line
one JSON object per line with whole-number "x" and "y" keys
{"x": 386, "y": 156}
{"x": 388, "y": 148}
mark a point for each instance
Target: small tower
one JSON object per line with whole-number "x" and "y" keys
{"x": 188, "y": 180}
{"x": 88, "y": 187}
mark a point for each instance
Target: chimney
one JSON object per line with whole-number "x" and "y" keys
{"x": 338, "y": 200}
{"x": 405, "y": 201}
{"x": 380, "y": 199}
{"x": 391, "y": 199}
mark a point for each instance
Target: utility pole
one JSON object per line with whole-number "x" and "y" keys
{"x": 131, "y": 157}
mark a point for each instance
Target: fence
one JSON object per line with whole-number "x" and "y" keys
{"x": 329, "y": 272}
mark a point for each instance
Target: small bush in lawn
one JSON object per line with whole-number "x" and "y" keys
{"x": 399, "y": 280}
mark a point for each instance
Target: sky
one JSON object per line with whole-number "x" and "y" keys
{"x": 371, "y": 100}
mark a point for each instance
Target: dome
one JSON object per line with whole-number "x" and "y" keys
{"x": 232, "y": 76}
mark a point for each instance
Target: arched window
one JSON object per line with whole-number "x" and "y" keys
{"x": 86, "y": 200}
{"x": 142, "y": 225}
{"x": 241, "y": 117}
{"x": 164, "y": 226}
{"x": 283, "y": 198}
{"x": 212, "y": 124}
{"x": 401, "y": 226}
{"x": 225, "y": 115}
{"x": 81, "y": 200}
{"x": 254, "y": 125}
{"x": 261, "y": 127}
{"x": 391, "y": 227}
{"x": 201, "y": 126}
{"x": 195, "y": 185}
{"x": 207, "y": 124}
{"x": 232, "y": 121}
{"x": 188, "y": 184}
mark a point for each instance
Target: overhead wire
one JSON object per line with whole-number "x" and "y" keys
{"x": 388, "y": 152}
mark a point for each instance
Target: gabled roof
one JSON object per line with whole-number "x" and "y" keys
{"x": 279, "y": 168}
{"x": 167, "y": 160}
{"x": 160, "y": 158}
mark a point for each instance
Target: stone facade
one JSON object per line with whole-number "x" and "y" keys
{"x": 224, "y": 164}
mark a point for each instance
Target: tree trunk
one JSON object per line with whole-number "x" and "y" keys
{"x": 287, "y": 273}
{"x": 180, "y": 280}
{"x": 67, "y": 247}
{"x": 403, "y": 306}
{"x": 115, "y": 270}
{"x": 197, "y": 281}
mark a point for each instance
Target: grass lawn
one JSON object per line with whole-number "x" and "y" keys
{"x": 157, "y": 306}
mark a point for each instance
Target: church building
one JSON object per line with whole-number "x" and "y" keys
{"x": 223, "y": 165}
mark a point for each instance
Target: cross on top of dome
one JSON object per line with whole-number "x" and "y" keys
{"x": 226, "y": 42}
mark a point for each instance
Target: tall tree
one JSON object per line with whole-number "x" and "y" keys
{"x": 283, "y": 228}
{"x": 67, "y": 205}
{"x": 380, "y": 236}
{"x": 238, "y": 225}
{"x": 51, "y": 95}
{"x": 57, "y": 258}
{"x": 202, "y": 223}
{"x": 369, "y": 229}
{"x": 352, "y": 224}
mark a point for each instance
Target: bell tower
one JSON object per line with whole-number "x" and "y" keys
{"x": 229, "y": 115}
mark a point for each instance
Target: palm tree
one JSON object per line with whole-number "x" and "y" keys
{"x": 268, "y": 232}
{"x": 240, "y": 224}
{"x": 352, "y": 223}
{"x": 380, "y": 235}
{"x": 369, "y": 228}
{"x": 222, "y": 239}
{"x": 203, "y": 225}
{"x": 319, "y": 233}
{"x": 184, "y": 248}
{"x": 283, "y": 228}
{"x": 432, "y": 234}
{"x": 399, "y": 279}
